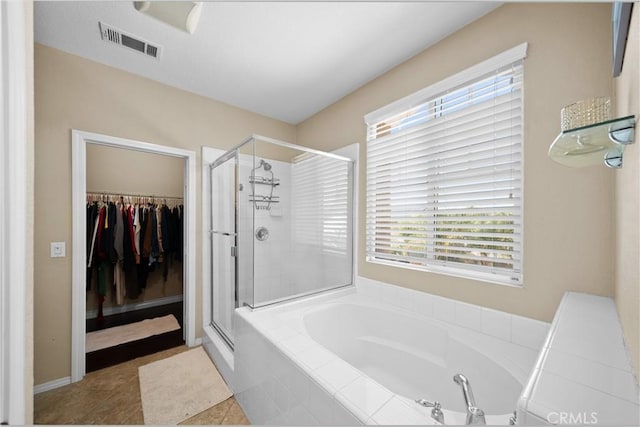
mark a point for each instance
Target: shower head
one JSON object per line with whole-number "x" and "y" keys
{"x": 265, "y": 165}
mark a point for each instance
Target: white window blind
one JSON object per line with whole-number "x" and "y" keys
{"x": 320, "y": 202}
{"x": 444, "y": 180}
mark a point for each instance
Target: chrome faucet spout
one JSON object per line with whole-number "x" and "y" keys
{"x": 475, "y": 415}
{"x": 463, "y": 382}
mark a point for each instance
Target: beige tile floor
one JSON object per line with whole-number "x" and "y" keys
{"x": 112, "y": 396}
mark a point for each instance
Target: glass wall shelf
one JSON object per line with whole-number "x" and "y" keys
{"x": 594, "y": 144}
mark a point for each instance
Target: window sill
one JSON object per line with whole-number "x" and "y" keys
{"x": 478, "y": 277}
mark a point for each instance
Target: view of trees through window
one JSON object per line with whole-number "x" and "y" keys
{"x": 453, "y": 238}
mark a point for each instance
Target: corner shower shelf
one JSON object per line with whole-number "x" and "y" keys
{"x": 265, "y": 199}
{"x": 259, "y": 201}
{"x": 262, "y": 180}
{"x": 594, "y": 144}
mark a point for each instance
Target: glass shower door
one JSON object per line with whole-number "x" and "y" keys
{"x": 223, "y": 232}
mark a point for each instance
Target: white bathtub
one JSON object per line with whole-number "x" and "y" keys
{"x": 412, "y": 358}
{"x": 347, "y": 358}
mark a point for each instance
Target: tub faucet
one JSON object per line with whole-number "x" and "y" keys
{"x": 436, "y": 412}
{"x": 475, "y": 415}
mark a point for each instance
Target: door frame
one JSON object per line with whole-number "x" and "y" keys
{"x": 16, "y": 197}
{"x": 80, "y": 139}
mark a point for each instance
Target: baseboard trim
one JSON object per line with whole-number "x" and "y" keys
{"x": 92, "y": 314}
{"x": 60, "y": 382}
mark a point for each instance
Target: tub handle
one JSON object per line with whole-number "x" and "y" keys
{"x": 436, "y": 412}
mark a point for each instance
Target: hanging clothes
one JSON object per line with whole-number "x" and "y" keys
{"x": 92, "y": 224}
{"x": 165, "y": 240}
{"x": 145, "y": 246}
{"x": 155, "y": 247}
{"x": 105, "y": 248}
{"x": 159, "y": 233}
{"x": 119, "y": 283}
{"x": 130, "y": 240}
{"x": 129, "y": 244}
{"x": 97, "y": 253}
{"x": 137, "y": 225}
{"x": 106, "y": 251}
{"x": 118, "y": 238}
{"x": 118, "y": 245}
{"x": 177, "y": 230}
{"x": 91, "y": 243}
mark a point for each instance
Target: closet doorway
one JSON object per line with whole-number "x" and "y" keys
{"x": 89, "y": 146}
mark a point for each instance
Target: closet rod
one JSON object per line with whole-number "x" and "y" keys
{"x": 111, "y": 194}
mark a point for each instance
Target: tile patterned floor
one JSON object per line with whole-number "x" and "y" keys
{"x": 112, "y": 396}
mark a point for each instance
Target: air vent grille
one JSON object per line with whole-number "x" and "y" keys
{"x": 152, "y": 50}
{"x": 114, "y": 35}
{"x": 133, "y": 43}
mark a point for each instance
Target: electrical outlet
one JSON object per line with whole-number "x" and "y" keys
{"x": 58, "y": 250}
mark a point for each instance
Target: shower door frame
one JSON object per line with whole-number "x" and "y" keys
{"x": 228, "y": 156}
{"x": 235, "y": 152}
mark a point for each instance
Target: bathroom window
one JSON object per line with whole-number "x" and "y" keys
{"x": 444, "y": 175}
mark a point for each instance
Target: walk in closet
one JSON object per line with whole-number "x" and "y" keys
{"x": 134, "y": 237}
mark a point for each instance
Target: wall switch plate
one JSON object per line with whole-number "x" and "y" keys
{"x": 58, "y": 250}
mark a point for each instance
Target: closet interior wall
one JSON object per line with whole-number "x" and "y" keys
{"x": 127, "y": 172}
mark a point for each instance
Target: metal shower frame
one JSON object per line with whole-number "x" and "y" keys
{"x": 234, "y": 152}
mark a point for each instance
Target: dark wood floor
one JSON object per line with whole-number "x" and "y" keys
{"x": 100, "y": 359}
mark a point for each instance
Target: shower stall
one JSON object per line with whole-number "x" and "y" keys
{"x": 280, "y": 226}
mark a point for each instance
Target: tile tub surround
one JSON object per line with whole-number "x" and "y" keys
{"x": 523, "y": 331}
{"x": 583, "y": 372}
{"x": 284, "y": 377}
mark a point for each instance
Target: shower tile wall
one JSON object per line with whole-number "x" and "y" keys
{"x": 294, "y": 259}
{"x": 271, "y": 270}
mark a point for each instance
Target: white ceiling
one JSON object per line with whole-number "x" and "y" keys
{"x": 284, "y": 60}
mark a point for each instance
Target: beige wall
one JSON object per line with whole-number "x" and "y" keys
{"x": 126, "y": 171}
{"x": 567, "y": 212}
{"x": 627, "y": 199}
{"x": 75, "y": 93}
{"x": 120, "y": 171}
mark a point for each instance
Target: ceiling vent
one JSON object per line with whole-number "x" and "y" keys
{"x": 115, "y": 35}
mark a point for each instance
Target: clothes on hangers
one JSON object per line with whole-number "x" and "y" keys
{"x": 129, "y": 244}
{"x": 92, "y": 225}
{"x": 118, "y": 246}
{"x": 136, "y": 238}
{"x": 165, "y": 240}
{"x": 153, "y": 230}
{"x": 137, "y": 225}
{"x": 177, "y": 229}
